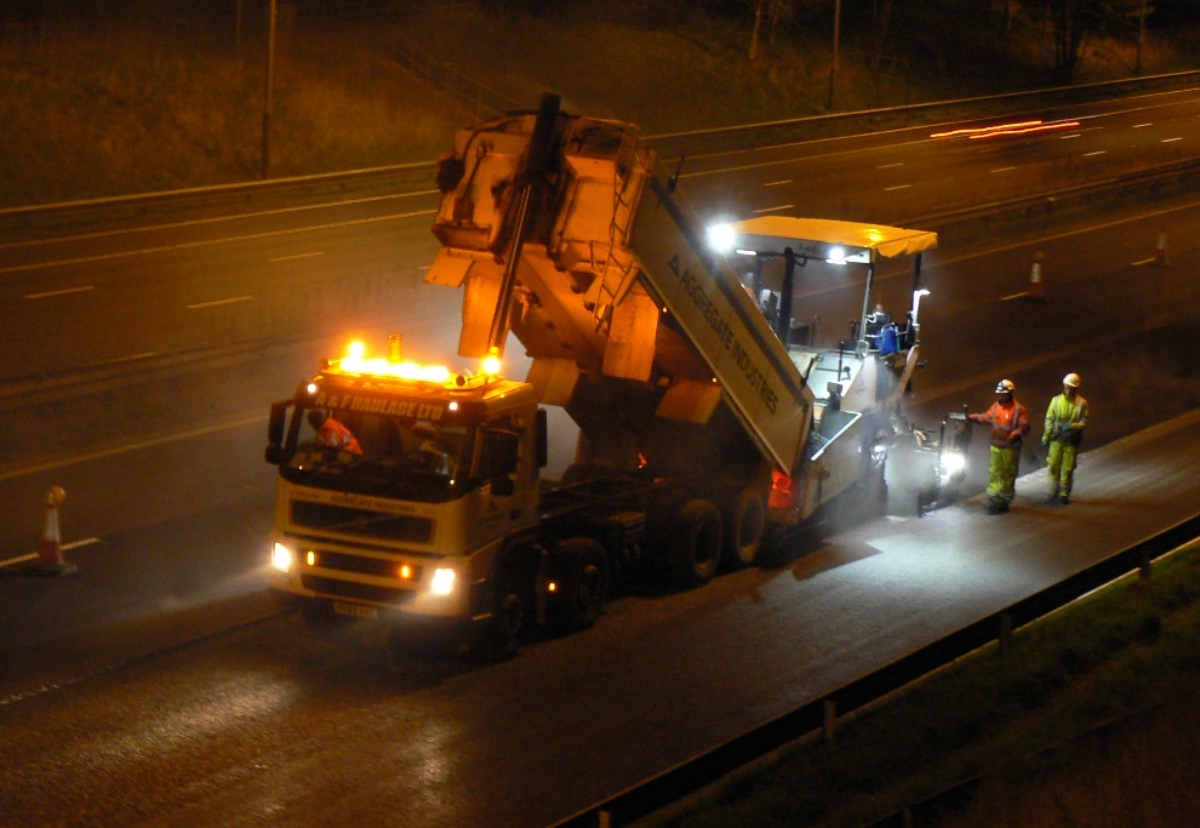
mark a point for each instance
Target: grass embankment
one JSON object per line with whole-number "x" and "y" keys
{"x": 120, "y": 111}
{"x": 1090, "y": 720}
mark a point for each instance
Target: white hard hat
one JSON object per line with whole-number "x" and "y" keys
{"x": 1071, "y": 380}
{"x": 1005, "y": 387}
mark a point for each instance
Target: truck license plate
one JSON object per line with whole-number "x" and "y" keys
{"x": 355, "y": 610}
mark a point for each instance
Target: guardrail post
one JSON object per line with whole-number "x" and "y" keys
{"x": 605, "y": 819}
{"x": 1005, "y": 633}
{"x": 1144, "y": 564}
{"x": 830, "y": 724}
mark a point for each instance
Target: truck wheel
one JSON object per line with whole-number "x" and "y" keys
{"x": 502, "y": 636}
{"x": 695, "y": 547}
{"x": 745, "y": 524}
{"x": 584, "y": 583}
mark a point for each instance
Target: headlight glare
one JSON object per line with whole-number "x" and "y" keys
{"x": 282, "y": 557}
{"x": 953, "y": 462}
{"x": 443, "y": 581}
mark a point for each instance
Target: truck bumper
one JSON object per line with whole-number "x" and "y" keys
{"x": 407, "y": 631}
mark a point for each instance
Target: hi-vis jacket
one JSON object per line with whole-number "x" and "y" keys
{"x": 336, "y": 435}
{"x": 1009, "y": 422}
{"x": 1066, "y": 420}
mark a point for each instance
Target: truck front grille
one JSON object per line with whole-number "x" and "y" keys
{"x": 362, "y": 522}
{"x": 344, "y": 562}
{"x": 351, "y": 589}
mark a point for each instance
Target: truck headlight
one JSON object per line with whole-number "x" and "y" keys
{"x": 443, "y": 581}
{"x": 282, "y": 557}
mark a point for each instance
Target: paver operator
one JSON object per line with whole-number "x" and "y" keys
{"x": 1010, "y": 423}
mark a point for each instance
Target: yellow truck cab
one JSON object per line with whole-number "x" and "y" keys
{"x": 445, "y": 468}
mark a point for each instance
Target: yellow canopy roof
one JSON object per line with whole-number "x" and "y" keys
{"x": 816, "y": 238}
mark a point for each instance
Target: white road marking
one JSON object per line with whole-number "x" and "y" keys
{"x": 48, "y": 293}
{"x": 65, "y": 547}
{"x": 1141, "y": 262}
{"x": 165, "y": 248}
{"x": 297, "y": 256}
{"x": 1068, "y": 137}
{"x": 1003, "y": 169}
{"x": 889, "y": 166}
{"x": 1171, "y": 140}
{"x": 1014, "y": 296}
{"x": 149, "y": 228}
{"x": 216, "y": 302}
{"x": 111, "y": 452}
{"x": 779, "y": 183}
{"x": 1140, "y": 126}
{"x": 777, "y": 207}
{"x": 1096, "y": 152}
{"x": 897, "y": 187}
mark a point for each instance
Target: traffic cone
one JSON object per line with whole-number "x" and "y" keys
{"x": 50, "y": 559}
{"x": 1160, "y": 249}
{"x": 1035, "y": 277}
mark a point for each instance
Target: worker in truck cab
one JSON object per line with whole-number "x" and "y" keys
{"x": 433, "y": 453}
{"x": 332, "y": 433}
{"x": 1066, "y": 418}
{"x": 1010, "y": 423}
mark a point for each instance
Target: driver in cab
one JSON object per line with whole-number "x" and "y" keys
{"x": 332, "y": 433}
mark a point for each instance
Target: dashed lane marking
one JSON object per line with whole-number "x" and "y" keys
{"x": 137, "y": 446}
{"x": 165, "y": 248}
{"x": 216, "y": 302}
{"x": 297, "y": 256}
{"x": 46, "y": 294}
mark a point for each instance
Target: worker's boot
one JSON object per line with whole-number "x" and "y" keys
{"x": 1063, "y": 498}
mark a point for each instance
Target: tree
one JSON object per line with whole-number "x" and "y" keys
{"x": 773, "y": 11}
{"x": 1074, "y": 21}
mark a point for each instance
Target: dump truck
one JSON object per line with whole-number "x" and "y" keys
{"x": 708, "y": 404}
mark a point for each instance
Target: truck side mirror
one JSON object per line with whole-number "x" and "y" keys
{"x": 274, "y": 452}
{"x": 500, "y": 458}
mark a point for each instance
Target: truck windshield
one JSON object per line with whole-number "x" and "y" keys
{"x": 367, "y": 453}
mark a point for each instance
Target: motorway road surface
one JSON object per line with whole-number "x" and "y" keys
{"x": 124, "y": 702}
{"x": 172, "y": 281}
{"x": 267, "y": 724}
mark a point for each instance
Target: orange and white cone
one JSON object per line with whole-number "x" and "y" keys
{"x": 50, "y": 559}
{"x": 1035, "y": 277}
{"x": 1160, "y": 249}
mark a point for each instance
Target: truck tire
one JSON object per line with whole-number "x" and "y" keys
{"x": 695, "y": 546}
{"x": 501, "y": 637}
{"x": 584, "y": 582}
{"x": 745, "y": 524}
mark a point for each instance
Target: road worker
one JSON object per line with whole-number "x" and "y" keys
{"x": 332, "y": 433}
{"x": 1010, "y": 423}
{"x": 432, "y": 452}
{"x": 1066, "y": 418}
